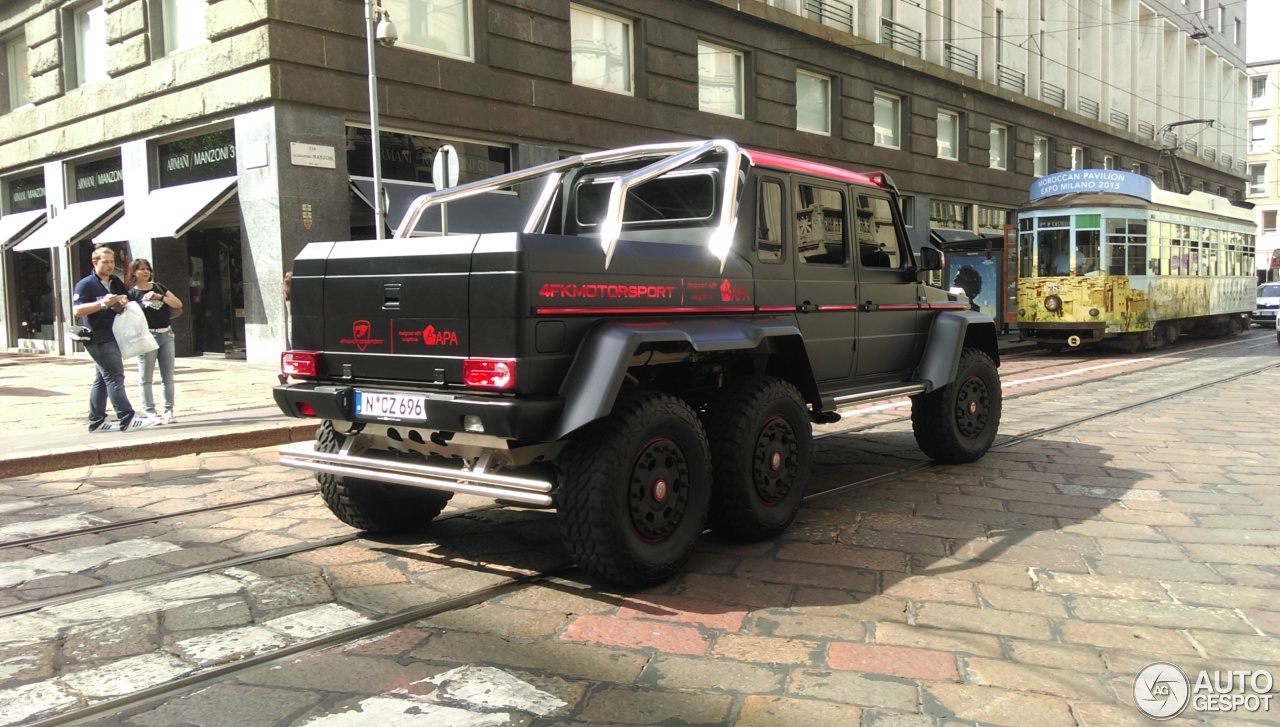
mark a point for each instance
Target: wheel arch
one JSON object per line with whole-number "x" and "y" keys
{"x": 951, "y": 333}
{"x": 592, "y": 384}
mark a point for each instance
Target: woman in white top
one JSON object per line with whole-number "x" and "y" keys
{"x": 157, "y": 301}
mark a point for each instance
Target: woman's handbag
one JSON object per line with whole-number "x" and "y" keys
{"x": 131, "y": 332}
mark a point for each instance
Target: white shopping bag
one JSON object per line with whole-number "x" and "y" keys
{"x": 131, "y": 331}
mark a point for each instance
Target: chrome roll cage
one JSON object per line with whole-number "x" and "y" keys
{"x": 672, "y": 156}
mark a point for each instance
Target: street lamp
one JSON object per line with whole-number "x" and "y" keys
{"x": 378, "y": 27}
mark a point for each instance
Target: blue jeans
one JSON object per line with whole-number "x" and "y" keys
{"x": 108, "y": 382}
{"x": 147, "y": 370}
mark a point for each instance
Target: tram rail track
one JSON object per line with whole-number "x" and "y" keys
{"x": 479, "y": 595}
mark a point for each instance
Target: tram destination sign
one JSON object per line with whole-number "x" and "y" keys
{"x": 1078, "y": 181}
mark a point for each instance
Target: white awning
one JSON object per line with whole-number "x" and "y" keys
{"x": 170, "y": 211}
{"x": 75, "y": 223}
{"x": 17, "y": 225}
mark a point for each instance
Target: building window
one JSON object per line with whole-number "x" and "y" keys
{"x": 601, "y": 50}
{"x": 1108, "y": 161}
{"x": 948, "y": 135}
{"x": 91, "y": 44}
{"x": 1257, "y": 180}
{"x": 999, "y": 146}
{"x": 813, "y": 102}
{"x": 1259, "y": 136}
{"x": 719, "y": 80}
{"x": 434, "y": 26}
{"x": 888, "y": 120}
{"x": 949, "y": 215}
{"x": 1257, "y": 91}
{"x": 184, "y": 24}
{"x": 1079, "y": 158}
{"x": 1222, "y": 18}
{"x": 1160, "y": 181}
{"x": 1040, "y": 155}
{"x": 1268, "y": 220}
{"x": 1238, "y": 32}
{"x": 17, "y": 73}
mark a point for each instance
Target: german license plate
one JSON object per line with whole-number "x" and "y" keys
{"x": 390, "y": 405}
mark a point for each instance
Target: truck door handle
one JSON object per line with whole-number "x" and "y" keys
{"x": 390, "y": 296}
{"x": 869, "y": 306}
{"x": 806, "y": 307}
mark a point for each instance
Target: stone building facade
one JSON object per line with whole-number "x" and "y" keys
{"x": 1263, "y": 183}
{"x": 218, "y": 137}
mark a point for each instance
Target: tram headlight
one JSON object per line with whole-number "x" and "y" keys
{"x": 1093, "y": 312}
{"x": 1053, "y": 304}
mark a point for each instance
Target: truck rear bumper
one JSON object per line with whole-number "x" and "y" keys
{"x": 523, "y": 490}
{"x": 523, "y": 419}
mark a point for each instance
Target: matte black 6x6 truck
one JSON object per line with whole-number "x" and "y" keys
{"x": 646, "y": 355}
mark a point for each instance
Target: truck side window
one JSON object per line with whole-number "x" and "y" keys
{"x": 820, "y": 236}
{"x": 878, "y": 244}
{"x": 769, "y": 222}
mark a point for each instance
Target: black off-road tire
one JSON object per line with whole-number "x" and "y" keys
{"x": 761, "y": 455}
{"x": 634, "y": 489}
{"x": 372, "y": 506}
{"x": 958, "y": 423}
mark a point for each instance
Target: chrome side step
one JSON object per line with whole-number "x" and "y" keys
{"x": 889, "y": 393}
{"x": 523, "y": 490}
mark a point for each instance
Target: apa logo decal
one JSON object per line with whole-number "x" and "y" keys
{"x": 361, "y": 332}
{"x": 730, "y": 293}
{"x": 432, "y": 337}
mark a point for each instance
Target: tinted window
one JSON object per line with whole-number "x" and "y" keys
{"x": 1269, "y": 291}
{"x": 820, "y": 236}
{"x": 672, "y": 198}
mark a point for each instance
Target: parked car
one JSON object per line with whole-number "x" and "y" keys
{"x": 1264, "y": 313}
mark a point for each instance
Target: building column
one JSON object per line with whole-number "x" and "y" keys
{"x": 284, "y": 206}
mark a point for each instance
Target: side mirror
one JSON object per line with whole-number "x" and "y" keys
{"x": 930, "y": 259}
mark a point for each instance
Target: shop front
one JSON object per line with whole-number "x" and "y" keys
{"x": 30, "y": 277}
{"x": 192, "y": 225}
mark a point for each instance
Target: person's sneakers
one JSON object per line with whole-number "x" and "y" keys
{"x": 133, "y": 422}
{"x": 104, "y": 426}
{"x": 169, "y": 418}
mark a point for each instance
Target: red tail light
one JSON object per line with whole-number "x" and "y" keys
{"x": 489, "y": 373}
{"x": 304, "y": 364}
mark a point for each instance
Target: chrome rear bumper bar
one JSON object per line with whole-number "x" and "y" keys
{"x": 523, "y": 490}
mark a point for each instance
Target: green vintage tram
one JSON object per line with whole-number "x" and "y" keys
{"x": 1104, "y": 257}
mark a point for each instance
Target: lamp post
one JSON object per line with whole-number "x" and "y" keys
{"x": 377, "y": 27}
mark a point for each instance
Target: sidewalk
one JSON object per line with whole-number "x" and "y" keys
{"x": 220, "y": 405}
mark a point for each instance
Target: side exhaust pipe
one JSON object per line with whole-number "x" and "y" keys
{"x": 1073, "y": 341}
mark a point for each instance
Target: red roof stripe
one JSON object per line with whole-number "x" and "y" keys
{"x": 801, "y": 166}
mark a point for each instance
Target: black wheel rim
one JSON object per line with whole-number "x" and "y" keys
{"x": 659, "y": 489}
{"x": 775, "y": 460}
{"x": 971, "y": 407}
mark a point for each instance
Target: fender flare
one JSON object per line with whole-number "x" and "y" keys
{"x": 950, "y": 333}
{"x": 594, "y": 379}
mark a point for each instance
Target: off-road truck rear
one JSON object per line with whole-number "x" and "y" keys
{"x": 646, "y": 355}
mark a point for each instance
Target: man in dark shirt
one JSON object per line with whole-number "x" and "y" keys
{"x": 98, "y": 297}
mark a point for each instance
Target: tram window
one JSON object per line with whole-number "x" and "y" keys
{"x": 1115, "y": 255}
{"x": 1087, "y": 242}
{"x": 1054, "y": 253}
{"x": 1137, "y": 259}
{"x": 1026, "y": 243}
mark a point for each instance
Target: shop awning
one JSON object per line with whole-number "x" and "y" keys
{"x": 170, "y": 211}
{"x": 75, "y": 223}
{"x": 17, "y": 225}
{"x": 491, "y": 212}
